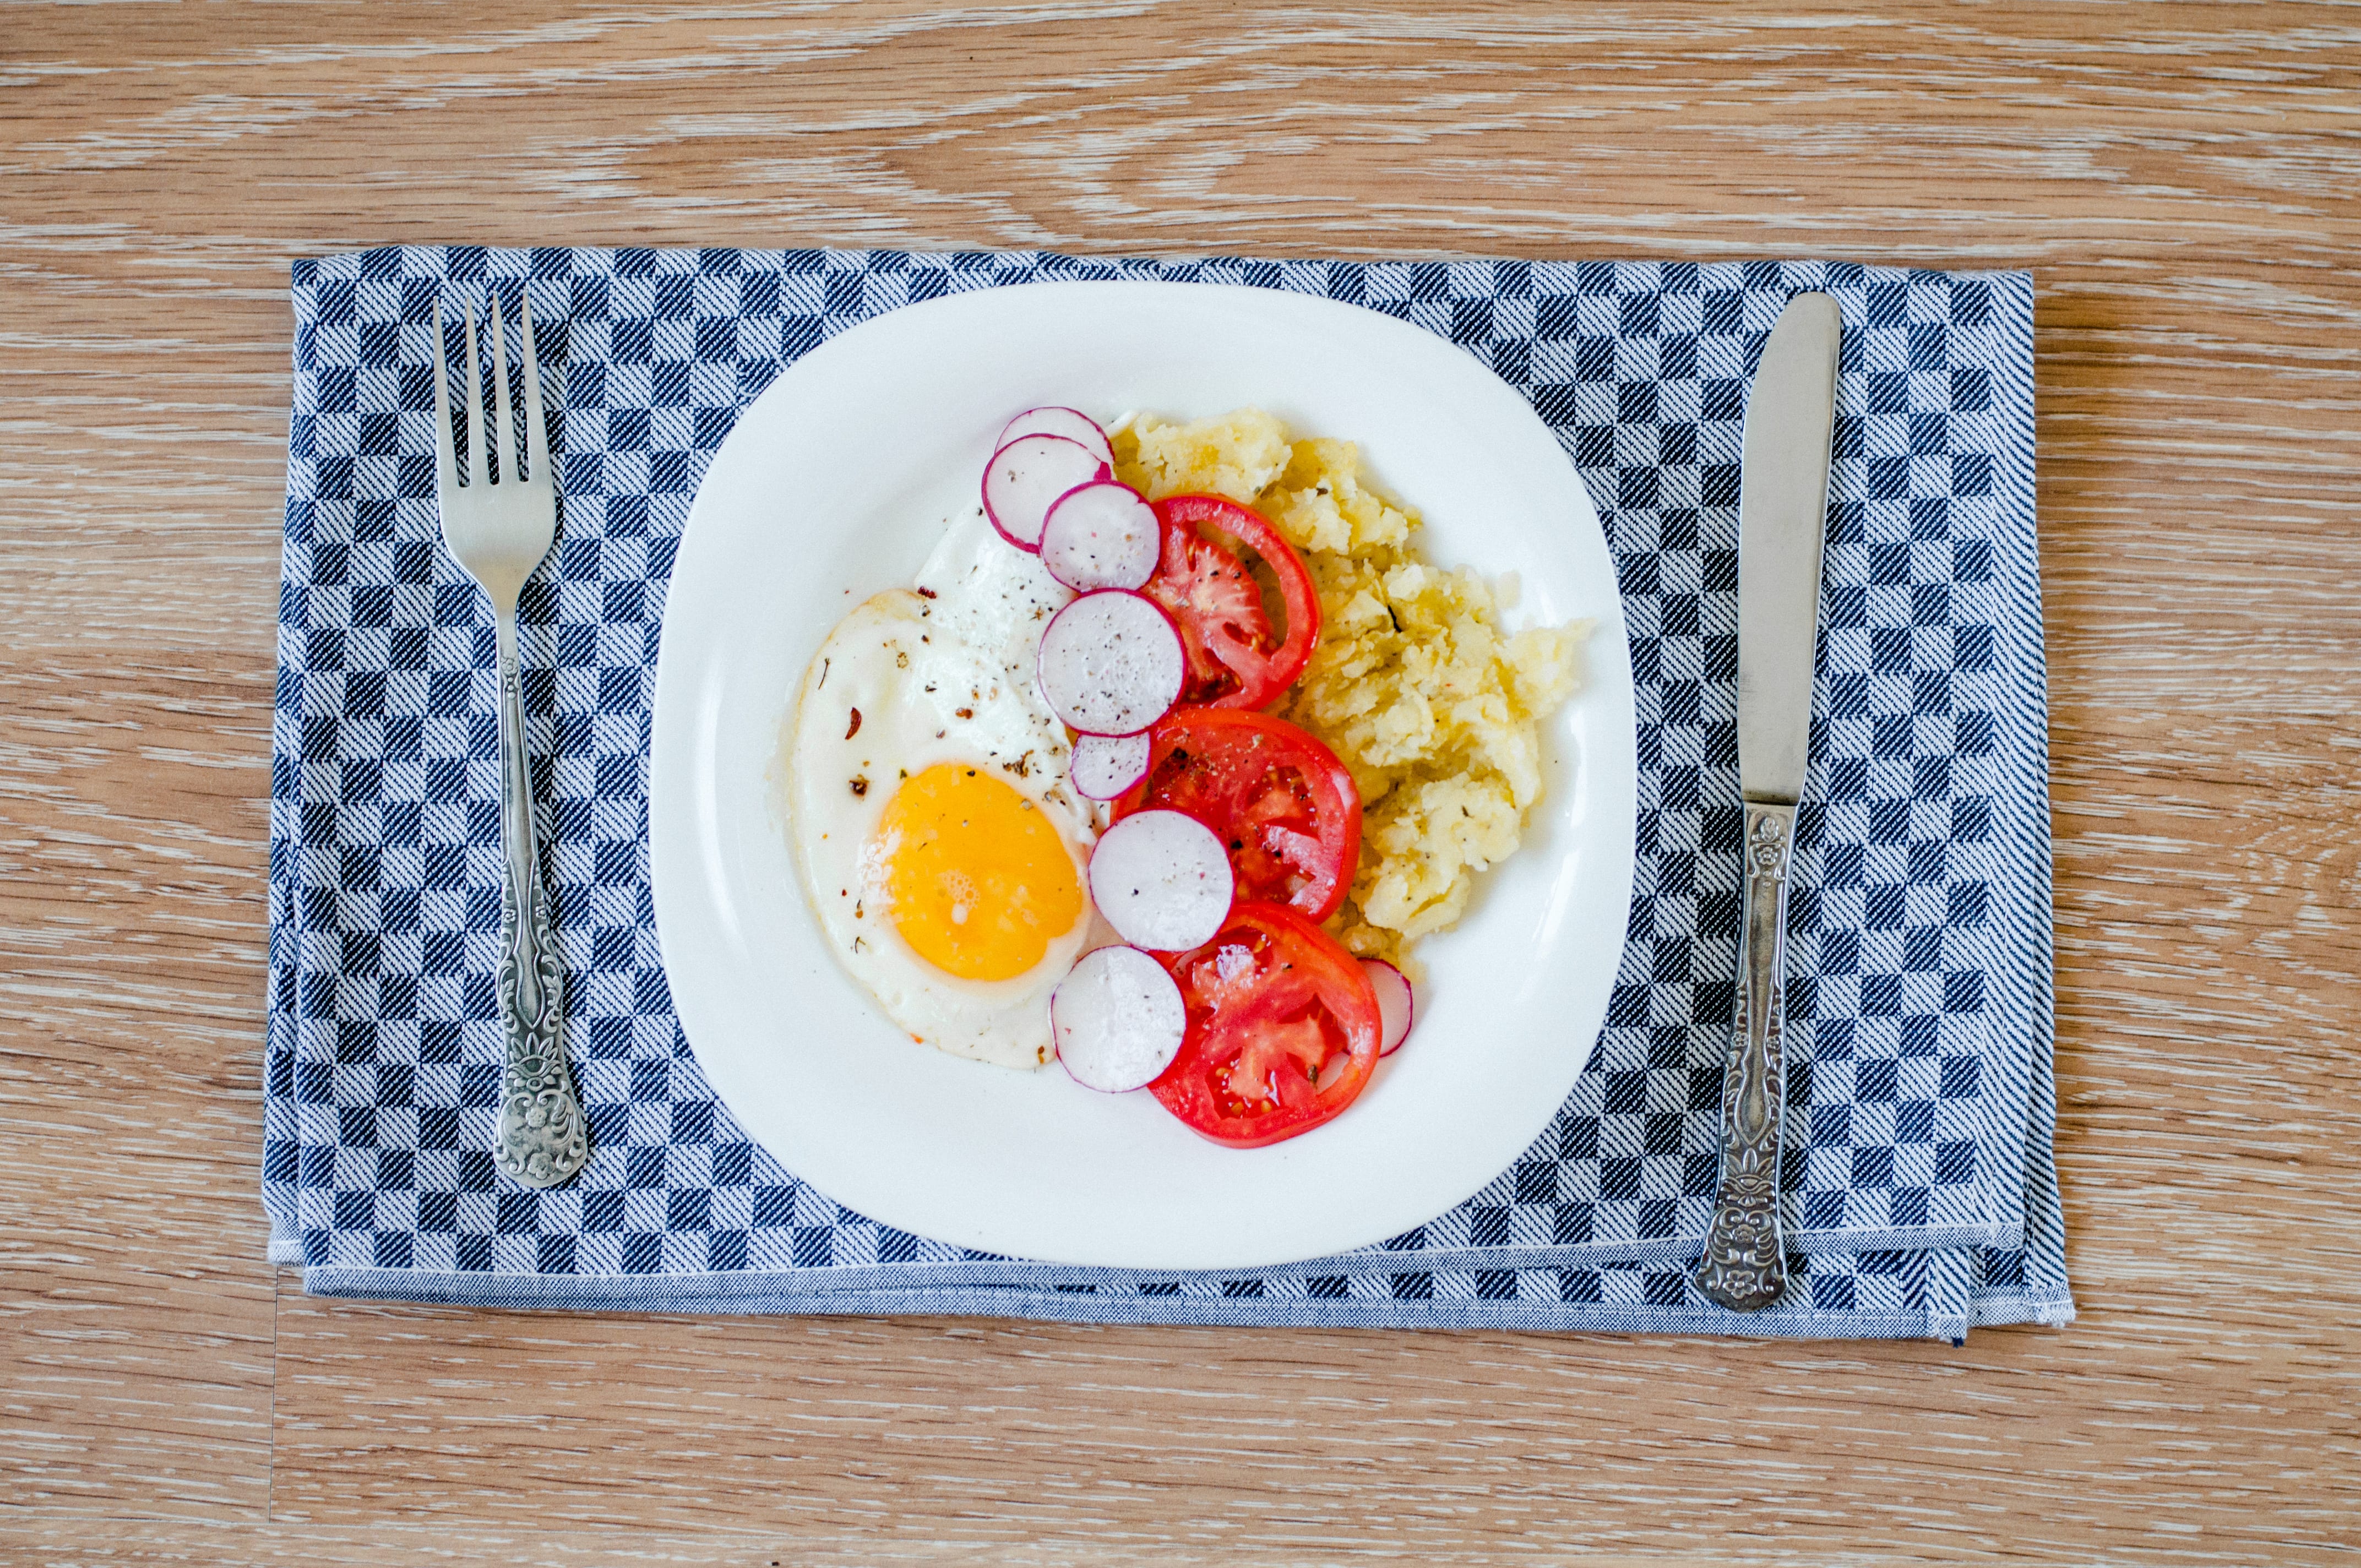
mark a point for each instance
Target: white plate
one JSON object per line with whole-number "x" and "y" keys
{"x": 834, "y": 484}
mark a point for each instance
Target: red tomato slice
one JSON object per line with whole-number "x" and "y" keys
{"x": 1283, "y": 1030}
{"x": 1235, "y": 660}
{"x": 1280, "y": 800}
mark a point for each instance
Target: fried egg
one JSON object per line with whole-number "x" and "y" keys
{"x": 940, "y": 844}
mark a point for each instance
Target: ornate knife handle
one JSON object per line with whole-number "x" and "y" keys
{"x": 1745, "y": 1264}
{"x": 542, "y": 1139}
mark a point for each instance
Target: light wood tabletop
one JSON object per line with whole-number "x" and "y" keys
{"x": 2179, "y": 178}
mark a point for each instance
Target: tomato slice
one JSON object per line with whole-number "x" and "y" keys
{"x": 1235, "y": 660}
{"x": 1280, "y": 800}
{"x": 1283, "y": 1030}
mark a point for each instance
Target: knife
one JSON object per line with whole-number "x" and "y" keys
{"x": 1783, "y": 496}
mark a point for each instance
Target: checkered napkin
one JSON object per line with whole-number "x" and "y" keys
{"x": 1922, "y": 1192}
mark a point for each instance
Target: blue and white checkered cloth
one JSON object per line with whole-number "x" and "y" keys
{"x": 1922, "y": 1190}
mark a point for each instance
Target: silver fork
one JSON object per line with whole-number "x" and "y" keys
{"x": 498, "y": 533}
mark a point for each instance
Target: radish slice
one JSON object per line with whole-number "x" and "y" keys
{"x": 1106, "y": 765}
{"x": 1162, "y": 880}
{"x": 1118, "y": 1020}
{"x": 1071, "y": 424}
{"x": 1393, "y": 1004}
{"x": 1028, "y": 474}
{"x": 1100, "y": 535}
{"x": 1111, "y": 662}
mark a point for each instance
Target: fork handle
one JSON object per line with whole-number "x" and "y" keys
{"x": 543, "y": 1138}
{"x": 1745, "y": 1262}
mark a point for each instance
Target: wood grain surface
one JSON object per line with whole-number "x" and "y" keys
{"x": 2181, "y": 179}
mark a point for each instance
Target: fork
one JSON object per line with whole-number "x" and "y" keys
{"x": 498, "y": 533}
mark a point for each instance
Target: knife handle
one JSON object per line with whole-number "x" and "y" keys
{"x": 1745, "y": 1264}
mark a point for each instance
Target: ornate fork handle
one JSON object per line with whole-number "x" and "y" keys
{"x": 542, "y": 1139}
{"x": 1745, "y": 1264}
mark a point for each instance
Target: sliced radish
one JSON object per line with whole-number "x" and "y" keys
{"x": 1100, "y": 535}
{"x": 1162, "y": 880}
{"x": 1118, "y": 1019}
{"x": 1111, "y": 662}
{"x": 1393, "y": 1004}
{"x": 1071, "y": 424}
{"x": 1106, "y": 765}
{"x": 1027, "y": 475}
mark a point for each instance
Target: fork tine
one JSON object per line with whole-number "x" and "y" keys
{"x": 478, "y": 474}
{"x": 537, "y": 434}
{"x": 507, "y": 448}
{"x": 447, "y": 461}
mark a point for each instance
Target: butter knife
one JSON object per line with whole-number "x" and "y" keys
{"x": 1782, "y": 496}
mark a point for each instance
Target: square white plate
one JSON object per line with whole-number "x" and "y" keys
{"x": 834, "y": 484}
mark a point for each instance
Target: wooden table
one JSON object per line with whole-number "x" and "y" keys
{"x": 2181, "y": 180}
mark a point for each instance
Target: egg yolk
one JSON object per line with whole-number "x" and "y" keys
{"x": 977, "y": 880}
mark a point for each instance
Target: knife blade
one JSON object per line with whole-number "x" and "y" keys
{"x": 1783, "y": 495}
{"x": 1783, "y": 499}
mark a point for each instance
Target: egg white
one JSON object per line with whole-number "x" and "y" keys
{"x": 939, "y": 674}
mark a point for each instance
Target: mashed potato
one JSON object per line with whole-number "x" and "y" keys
{"x": 1435, "y": 710}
